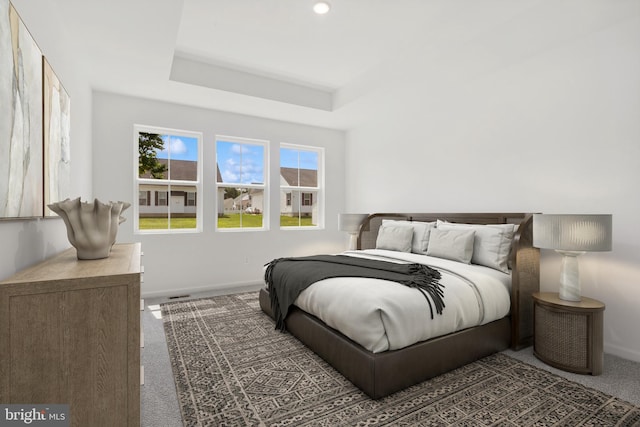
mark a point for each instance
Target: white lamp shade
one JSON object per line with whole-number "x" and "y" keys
{"x": 350, "y": 222}
{"x": 580, "y": 233}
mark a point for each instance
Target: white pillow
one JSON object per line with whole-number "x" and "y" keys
{"x": 421, "y": 231}
{"x": 456, "y": 245}
{"x": 394, "y": 238}
{"x": 492, "y": 244}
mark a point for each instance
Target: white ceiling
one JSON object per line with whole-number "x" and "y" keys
{"x": 244, "y": 54}
{"x": 286, "y": 39}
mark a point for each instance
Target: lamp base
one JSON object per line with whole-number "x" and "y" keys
{"x": 570, "y": 276}
{"x": 353, "y": 241}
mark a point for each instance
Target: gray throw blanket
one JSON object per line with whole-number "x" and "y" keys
{"x": 287, "y": 277}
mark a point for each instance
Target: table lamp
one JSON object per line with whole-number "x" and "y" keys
{"x": 571, "y": 236}
{"x": 350, "y": 223}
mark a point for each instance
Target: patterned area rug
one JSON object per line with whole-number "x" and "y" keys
{"x": 231, "y": 368}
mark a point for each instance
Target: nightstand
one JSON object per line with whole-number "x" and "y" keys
{"x": 568, "y": 335}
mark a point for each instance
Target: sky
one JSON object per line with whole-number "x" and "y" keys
{"x": 292, "y": 158}
{"x": 244, "y": 163}
{"x": 179, "y": 147}
{"x": 239, "y": 163}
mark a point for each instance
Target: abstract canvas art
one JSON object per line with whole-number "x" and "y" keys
{"x": 21, "y": 148}
{"x": 57, "y": 124}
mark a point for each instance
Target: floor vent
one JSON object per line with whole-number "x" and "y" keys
{"x": 180, "y": 296}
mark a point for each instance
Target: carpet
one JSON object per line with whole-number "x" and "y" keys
{"x": 231, "y": 368}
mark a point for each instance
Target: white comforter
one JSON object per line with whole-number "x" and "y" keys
{"x": 381, "y": 315}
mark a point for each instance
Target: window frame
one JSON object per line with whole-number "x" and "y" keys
{"x": 265, "y": 144}
{"x": 302, "y": 190}
{"x": 137, "y": 181}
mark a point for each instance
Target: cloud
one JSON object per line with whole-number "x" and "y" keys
{"x": 239, "y": 149}
{"x": 176, "y": 147}
{"x": 247, "y": 172}
{"x": 240, "y": 163}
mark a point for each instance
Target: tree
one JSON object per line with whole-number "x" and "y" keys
{"x": 148, "y": 144}
{"x": 231, "y": 193}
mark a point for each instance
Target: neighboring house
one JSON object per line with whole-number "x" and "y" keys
{"x": 154, "y": 199}
{"x": 252, "y": 201}
{"x": 298, "y": 202}
{"x": 222, "y": 207}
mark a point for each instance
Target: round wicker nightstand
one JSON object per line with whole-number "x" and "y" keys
{"x": 568, "y": 335}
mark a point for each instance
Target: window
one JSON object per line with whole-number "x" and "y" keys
{"x": 300, "y": 186}
{"x": 143, "y": 198}
{"x": 190, "y": 199}
{"x": 242, "y": 198}
{"x": 161, "y": 199}
{"x": 168, "y": 180}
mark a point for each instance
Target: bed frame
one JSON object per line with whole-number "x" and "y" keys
{"x": 380, "y": 374}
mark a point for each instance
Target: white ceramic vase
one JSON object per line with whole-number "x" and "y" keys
{"x": 91, "y": 226}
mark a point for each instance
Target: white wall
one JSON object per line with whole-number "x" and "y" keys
{"x": 182, "y": 263}
{"x": 539, "y": 117}
{"x": 25, "y": 242}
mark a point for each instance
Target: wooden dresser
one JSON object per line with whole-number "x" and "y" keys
{"x": 70, "y": 334}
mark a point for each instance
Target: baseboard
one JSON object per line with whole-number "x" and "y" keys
{"x": 623, "y": 352}
{"x": 194, "y": 292}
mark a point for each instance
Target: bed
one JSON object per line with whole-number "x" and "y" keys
{"x": 379, "y": 374}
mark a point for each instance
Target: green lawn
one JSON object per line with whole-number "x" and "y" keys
{"x": 162, "y": 223}
{"x": 227, "y": 221}
{"x": 233, "y": 221}
{"x": 288, "y": 221}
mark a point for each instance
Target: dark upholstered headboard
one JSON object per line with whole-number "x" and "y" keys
{"x": 525, "y": 259}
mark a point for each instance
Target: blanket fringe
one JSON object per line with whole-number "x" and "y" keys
{"x": 427, "y": 280}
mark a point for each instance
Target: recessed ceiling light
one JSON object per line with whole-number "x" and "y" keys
{"x": 321, "y": 7}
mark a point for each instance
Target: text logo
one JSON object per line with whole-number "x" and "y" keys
{"x": 40, "y": 415}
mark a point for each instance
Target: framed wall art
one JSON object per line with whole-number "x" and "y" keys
{"x": 57, "y": 124}
{"x": 21, "y": 136}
